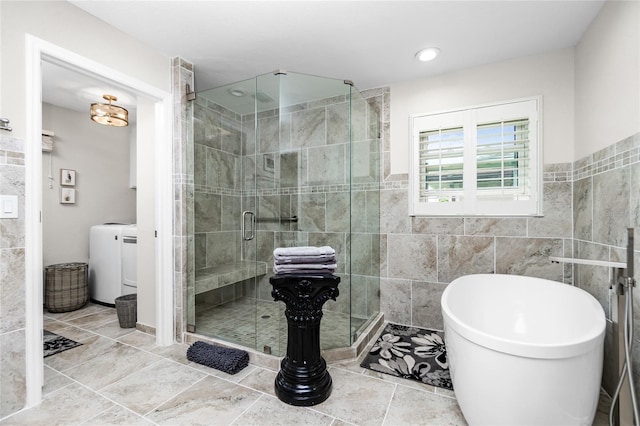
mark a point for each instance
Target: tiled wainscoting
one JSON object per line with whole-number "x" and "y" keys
{"x": 12, "y": 270}
{"x": 421, "y": 255}
{"x": 606, "y": 201}
{"x": 587, "y": 207}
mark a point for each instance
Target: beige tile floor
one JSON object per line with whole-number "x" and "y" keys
{"x": 119, "y": 376}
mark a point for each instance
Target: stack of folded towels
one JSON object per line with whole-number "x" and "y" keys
{"x": 304, "y": 260}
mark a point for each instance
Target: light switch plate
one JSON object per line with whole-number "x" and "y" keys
{"x": 8, "y": 206}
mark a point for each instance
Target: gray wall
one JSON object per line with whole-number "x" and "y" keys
{"x": 100, "y": 156}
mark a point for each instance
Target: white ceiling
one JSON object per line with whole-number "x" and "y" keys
{"x": 75, "y": 91}
{"x": 372, "y": 43}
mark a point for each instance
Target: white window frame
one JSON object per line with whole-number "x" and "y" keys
{"x": 469, "y": 118}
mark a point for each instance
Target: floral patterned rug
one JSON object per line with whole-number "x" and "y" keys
{"x": 411, "y": 353}
{"x": 54, "y": 343}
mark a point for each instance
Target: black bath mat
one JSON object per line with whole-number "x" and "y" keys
{"x": 54, "y": 343}
{"x": 411, "y": 353}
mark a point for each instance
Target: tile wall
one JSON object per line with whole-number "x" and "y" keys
{"x": 421, "y": 255}
{"x": 12, "y": 276}
{"x": 182, "y": 74}
{"x": 606, "y": 200}
{"x": 300, "y": 167}
{"x": 217, "y": 184}
{"x": 218, "y": 192}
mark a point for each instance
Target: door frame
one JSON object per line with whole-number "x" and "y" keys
{"x": 38, "y": 50}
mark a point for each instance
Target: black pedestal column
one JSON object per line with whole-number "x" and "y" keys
{"x": 303, "y": 379}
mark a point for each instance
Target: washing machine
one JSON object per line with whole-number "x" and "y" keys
{"x": 129, "y": 264}
{"x": 108, "y": 256}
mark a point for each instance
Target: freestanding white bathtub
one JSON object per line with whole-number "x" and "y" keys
{"x": 522, "y": 350}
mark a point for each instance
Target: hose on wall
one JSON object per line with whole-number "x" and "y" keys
{"x": 627, "y": 369}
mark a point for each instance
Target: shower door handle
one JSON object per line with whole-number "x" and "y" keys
{"x": 252, "y": 225}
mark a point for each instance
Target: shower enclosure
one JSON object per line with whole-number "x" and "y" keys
{"x": 281, "y": 160}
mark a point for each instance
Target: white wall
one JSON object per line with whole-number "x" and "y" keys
{"x": 146, "y": 215}
{"x": 607, "y": 102}
{"x": 67, "y": 26}
{"x": 100, "y": 156}
{"x": 64, "y": 25}
{"x": 549, "y": 75}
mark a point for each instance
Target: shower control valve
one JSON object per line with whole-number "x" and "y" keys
{"x": 622, "y": 284}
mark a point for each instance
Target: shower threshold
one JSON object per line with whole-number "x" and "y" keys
{"x": 330, "y": 355}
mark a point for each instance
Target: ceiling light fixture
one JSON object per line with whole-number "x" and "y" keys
{"x": 427, "y": 54}
{"x": 238, "y": 92}
{"x": 108, "y": 114}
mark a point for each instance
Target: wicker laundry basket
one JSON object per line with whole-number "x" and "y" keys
{"x": 66, "y": 287}
{"x": 127, "y": 310}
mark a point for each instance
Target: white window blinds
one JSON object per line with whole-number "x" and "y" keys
{"x": 441, "y": 164}
{"x": 477, "y": 161}
{"x": 502, "y": 158}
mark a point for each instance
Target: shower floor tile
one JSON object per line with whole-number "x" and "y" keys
{"x": 259, "y": 323}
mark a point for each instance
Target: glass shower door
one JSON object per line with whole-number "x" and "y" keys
{"x": 314, "y": 183}
{"x": 261, "y": 169}
{"x": 224, "y": 214}
{"x": 282, "y": 160}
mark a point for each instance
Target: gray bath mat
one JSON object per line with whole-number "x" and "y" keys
{"x": 54, "y": 343}
{"x": 229, "y": 360}
{"x": 411, "y": 353}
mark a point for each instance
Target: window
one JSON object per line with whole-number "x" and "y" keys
{"x": 477, "y": 161}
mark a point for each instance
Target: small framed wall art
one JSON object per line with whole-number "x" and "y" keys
{"x": 67, "y": 196}
{"x": 67, "y": 177}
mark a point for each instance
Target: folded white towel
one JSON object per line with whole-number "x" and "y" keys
{"x": 303, "y": 251}
{"x": 304, "y": 268}
{"x": 322, "y": 258}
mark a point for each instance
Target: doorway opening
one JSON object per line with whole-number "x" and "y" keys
{"x": 156, "y": 104}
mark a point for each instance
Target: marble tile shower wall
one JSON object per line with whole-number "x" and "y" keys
{"x": 12, "y": 276}
{"x": 217, "y": 184}
{"x": 298, "y": 165}
{"x": 225, "y": 178}
{"x": 308, "y": 145}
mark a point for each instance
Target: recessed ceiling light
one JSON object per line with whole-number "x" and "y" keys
{"x": 236, "y": 91}
{"x": 427, "y": 54}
